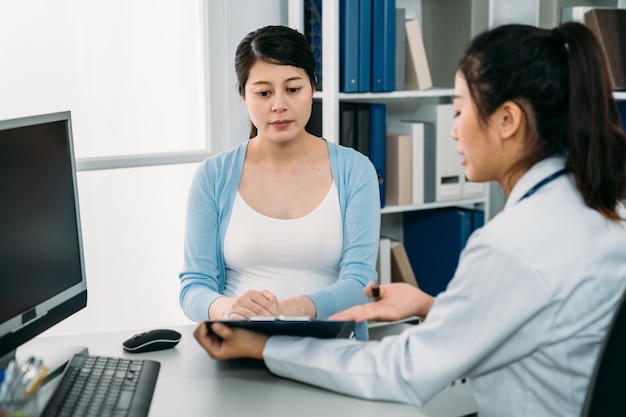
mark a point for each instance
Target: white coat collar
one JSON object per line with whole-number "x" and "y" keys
{"x": 535, "y": 174}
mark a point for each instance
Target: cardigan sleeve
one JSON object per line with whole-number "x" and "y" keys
{"x": 200, "y": 276}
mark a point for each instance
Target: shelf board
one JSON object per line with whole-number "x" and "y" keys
{"x": 431, "y": 92}
{"x": 428, "y": 93}
{"x": 436, "y": 204}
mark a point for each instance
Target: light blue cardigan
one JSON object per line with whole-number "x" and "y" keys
{"x": 210, "y": 202}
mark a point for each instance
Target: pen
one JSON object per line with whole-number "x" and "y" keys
{"x": 21, "y": 378}
{"x": 35, "y": 381}
{"x": 375, "y": 290}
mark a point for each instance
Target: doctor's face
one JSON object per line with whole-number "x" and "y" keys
{"x": 475, "y": 141}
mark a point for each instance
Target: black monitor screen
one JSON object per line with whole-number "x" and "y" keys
{"x": 41, "y": 264}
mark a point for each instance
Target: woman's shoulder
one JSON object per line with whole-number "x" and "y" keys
{"x": 222, "y": 165}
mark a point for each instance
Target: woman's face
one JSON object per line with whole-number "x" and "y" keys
{"x": 475, "y": 142}
{"x": 279, "y": 100}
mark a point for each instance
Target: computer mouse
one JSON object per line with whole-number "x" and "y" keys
{"x": 152, "y": 340}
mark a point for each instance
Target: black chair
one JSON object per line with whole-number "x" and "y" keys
{"x": 606, "y": 395}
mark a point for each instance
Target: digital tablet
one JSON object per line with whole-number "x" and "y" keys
{"x": 292, "y": 326}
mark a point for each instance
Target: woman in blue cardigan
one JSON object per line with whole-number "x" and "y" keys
{"x": 286, "y": 223}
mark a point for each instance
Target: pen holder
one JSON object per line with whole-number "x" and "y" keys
{"x": 20, "y": 407}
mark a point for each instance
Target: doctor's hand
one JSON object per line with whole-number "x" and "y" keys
{"x": 397, "y": 301}
{"x": 224, "y": 342}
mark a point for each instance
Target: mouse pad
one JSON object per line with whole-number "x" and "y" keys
{"x": 322, "y": 329}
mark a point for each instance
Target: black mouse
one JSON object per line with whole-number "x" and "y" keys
{"x": 152, "y": 340}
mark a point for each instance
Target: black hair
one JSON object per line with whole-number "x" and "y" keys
{"x": 560, "y": 79}
{"x": 280, "y": 45}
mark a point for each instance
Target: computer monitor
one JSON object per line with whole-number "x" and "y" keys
{"x": 42, "y": 274}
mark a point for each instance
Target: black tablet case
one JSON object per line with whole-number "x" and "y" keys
{"x": 322, "y": 329}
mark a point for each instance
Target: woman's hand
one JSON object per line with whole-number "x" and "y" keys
{"x": 251, "y": 303}
{"x": 396, "y": 301}
{"x": 224, "y": 342}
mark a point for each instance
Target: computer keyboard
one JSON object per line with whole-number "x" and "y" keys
{"x": 104, "y": 386}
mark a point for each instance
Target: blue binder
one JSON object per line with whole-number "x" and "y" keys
{"x": 365, "y": 46}
{"x": 433, "y": 240}
{"x": 383, "y": 45}
{"x": 377, "y": 151}
{"x": 349, "y": 45}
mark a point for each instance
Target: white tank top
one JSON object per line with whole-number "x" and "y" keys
{"x": 286, "y": 257}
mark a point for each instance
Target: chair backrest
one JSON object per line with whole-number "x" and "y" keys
{"x": 606, "y": 395}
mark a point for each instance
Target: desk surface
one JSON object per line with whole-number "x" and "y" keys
{"x": 190, "y": 383}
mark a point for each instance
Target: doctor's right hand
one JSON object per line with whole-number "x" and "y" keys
{"x": 397, "y": 301}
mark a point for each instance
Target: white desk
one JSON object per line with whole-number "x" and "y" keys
{"x": 191, "y": 384}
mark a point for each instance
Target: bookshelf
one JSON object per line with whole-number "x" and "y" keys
{"x": 448, "y": 26}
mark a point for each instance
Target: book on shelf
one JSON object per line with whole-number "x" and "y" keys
{"x": 447, "y": 28}
{"x": 383, "y": 56}
{"x": 417, "y": 70}
{"x": 434, "y": 239}
{"x": 401, "y": 269}
{"x": 400, "y": 50}
{"x": 355, "y": 124}
{"x": 349, "y": 45}
{"x": 365, "y": 39}
{"x": 347, "y": 127}
{"x": 362, "y": 128}
{"x": 383, "y": 262}
{"x": 392, "y": 264}
{"x": 449, "y": 173}
{"x": 423, "y": 158}
{"x": 378, "y": 148}
{"x": 313, "y": 32}
{"x": 609, "y": 26}
{"x": 399, "y": 169}
{"x": 427, "y": 159}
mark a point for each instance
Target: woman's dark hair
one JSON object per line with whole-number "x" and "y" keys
{"x": 280, "y": 45}
{"x": 561, "y": 81}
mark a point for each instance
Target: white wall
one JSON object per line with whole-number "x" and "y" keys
{"x": 137, "y": 78}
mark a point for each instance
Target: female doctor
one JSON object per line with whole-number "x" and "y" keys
{"x": 536, "y": 287}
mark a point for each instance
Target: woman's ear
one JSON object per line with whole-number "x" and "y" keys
{"x": 509, "y": 119}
